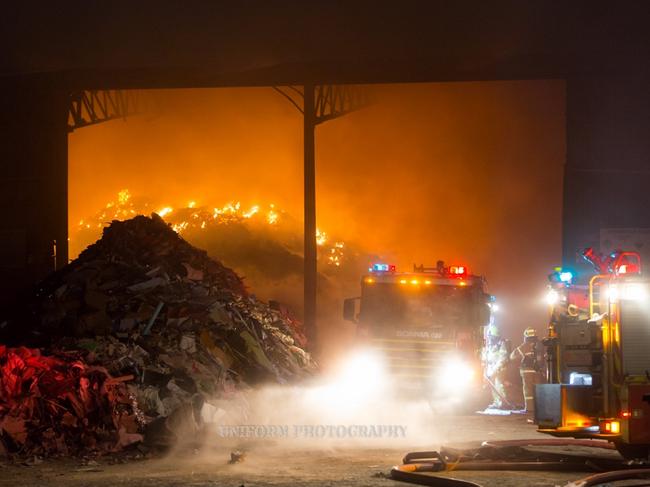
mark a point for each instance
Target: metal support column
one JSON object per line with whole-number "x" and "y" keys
{"x": 310, "y": 250}
{"x": 320, "y": 103}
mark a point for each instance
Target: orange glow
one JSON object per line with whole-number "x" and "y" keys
{"x": 321, "y": 237}
{"x": 427, "y": 282}
{"x": 254, "y": 209}
{"x": 192, "y": 217}
{"x": 574, "y": 419}
{"x": 378, "y": 170}
{"x": 402, "y": 281}
{"x": 369, "y": 280}
{"x": 123, "y": 197}
{"x": 165, "y": 211}
{"x": 414, "y": 281}
{"x": 613, "y": 427}
{"x": 462, "y": 283}
{"x": 272, "y": 216}
{"x": 626, "y": 414}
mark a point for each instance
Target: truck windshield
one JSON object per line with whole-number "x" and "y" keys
{"x": 387, "y": 305}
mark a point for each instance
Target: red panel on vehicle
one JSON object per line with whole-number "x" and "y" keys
{"x": 639, "y": 413}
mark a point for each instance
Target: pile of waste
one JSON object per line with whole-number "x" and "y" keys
{"x": 172, "y": 326}
{"x": 59, "y": 404}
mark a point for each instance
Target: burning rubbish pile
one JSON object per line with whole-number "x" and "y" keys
{"x": 147, "y": 325}
{"x": 261, "y": 242}
{"x": 201, "y": 223}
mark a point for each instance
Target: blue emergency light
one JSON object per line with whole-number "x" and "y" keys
{"x": 382, "y": 268}
{"x": 566, "y": 276}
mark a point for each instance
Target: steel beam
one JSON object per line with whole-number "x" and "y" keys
{"x": 91, "y": 107}
{"x": 333, "y": 101}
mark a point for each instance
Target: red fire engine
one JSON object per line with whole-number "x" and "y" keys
{"x": 426, "y": 326}
{"x": 598, "y": 356}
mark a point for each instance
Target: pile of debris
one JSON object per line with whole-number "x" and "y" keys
{"x": 143, "y": 304}
{"x": 60, "y": 404}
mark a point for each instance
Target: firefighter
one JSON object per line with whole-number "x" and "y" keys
{"x": 496, "y": 359}
{"x": 530, "y": 366}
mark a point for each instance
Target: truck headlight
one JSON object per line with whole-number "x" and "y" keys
{"x": 456, "y": 375}
{"x": 356, "y": 383}
{"x": 552, "y": 297}
{"x": 363, "y": 371}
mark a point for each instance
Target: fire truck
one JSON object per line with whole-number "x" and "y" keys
{"x": 427, "y": 326}
{"x": 598, "y": 355}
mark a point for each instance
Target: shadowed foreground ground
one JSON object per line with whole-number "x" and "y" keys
{"x": 288, "y": 465}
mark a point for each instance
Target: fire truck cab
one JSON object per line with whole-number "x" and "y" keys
{"x": 427, "y": 326}
{"x": 598, "y": 356}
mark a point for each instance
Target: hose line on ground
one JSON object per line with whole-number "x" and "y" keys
{"x": 498, "y": 456}
{"x": 408, "y": 473}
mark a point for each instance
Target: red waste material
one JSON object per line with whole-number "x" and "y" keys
{"x": 53, "y": 405}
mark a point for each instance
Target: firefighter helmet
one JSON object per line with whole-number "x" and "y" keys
{"x": 530, "y": 332}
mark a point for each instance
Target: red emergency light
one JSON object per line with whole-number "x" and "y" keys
{"x": 458, "y": 270}
{"x": 628, "y": 269}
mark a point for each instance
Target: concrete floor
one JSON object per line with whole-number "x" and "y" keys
{"x": 280, "y": 464}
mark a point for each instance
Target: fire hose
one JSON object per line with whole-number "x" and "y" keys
{"x": 498, "y": 392}
{"x": 511, "y": 455}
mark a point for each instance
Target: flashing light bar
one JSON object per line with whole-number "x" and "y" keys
{"x": 382, "y": 268}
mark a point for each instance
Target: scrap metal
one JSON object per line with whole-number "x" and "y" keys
{"x": 148, "y": 312}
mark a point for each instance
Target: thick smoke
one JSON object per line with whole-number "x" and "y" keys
{"x": 465, "y": 172}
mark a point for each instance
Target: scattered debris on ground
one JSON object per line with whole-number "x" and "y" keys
{"x": 145, "y": 326}
{"x": 237, "y": 456}
{"x": 59, "y": 404}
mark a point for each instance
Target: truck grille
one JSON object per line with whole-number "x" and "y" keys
{"x": 414, "y": 359}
